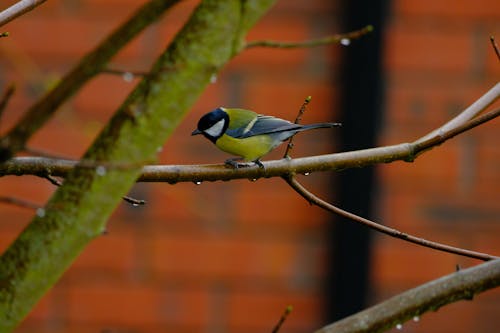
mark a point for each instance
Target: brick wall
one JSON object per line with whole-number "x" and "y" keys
{"x": 231, "y": 256}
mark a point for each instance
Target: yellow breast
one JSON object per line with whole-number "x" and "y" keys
{"x": 250, "y": 149}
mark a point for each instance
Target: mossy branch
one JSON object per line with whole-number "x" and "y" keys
{"x": 79, "y": 209}
{"x": 461, "y": 285}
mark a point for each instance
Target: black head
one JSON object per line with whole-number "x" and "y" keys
{"x": 213, "y": 125}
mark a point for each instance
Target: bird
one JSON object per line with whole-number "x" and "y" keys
{"x": 247, "y": 134}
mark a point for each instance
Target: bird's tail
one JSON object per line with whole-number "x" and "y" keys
{"x": 319, "y": 125}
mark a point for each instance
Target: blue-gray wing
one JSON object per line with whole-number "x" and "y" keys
{"x": 263, "y": 125}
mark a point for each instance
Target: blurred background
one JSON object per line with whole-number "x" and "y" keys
{"x": 229, "y": 257}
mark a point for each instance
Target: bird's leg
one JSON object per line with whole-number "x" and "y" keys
{"x": 259, "y": 163}
{"x": 232, "y": 162}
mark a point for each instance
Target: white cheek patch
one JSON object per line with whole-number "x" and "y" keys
{"x": 216, "y": 129}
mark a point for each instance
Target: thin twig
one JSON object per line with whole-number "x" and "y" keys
{"x": 495, "y": 47}
{"x": 53, "y": 180}
{"x": 133, "y": 201}
{"x": 339, "y": 38}
{"x": 18, "y": 9}
{"x": 302, "y": 109}
{"x": 130, "y": 200}
{"x": 285, "y": 314}
{"x": 19, "y": 202}
{"x": 7, "y": 94}
{"x": 311, "y": 198}
{"x": 411, "y": 304}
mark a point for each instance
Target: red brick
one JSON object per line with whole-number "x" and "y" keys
{"x": 58, "y": 34}
{"x": 448, "y": 9}
{"x": 407, "y": 265}
{"x": 278, "y": 206}
{"x": 283, "y": 98}
{"x": 488, "y": 164}
{"x": 136, "y": 305}
{"x": 17, "y": 185}
{"x": 435, "y": 171}
{"x": 427, "y": 50}
{"x": 209, "y": 257}
{"x": 102, "y": 96}
{"x": 55, "y": 139}
{"x": 113, "y": 251}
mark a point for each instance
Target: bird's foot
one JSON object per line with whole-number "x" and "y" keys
{"x": 232, "y": 162}
{"x": 259, "y": 163}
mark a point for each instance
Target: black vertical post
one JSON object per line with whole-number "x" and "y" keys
{"x": 361, "y": 97}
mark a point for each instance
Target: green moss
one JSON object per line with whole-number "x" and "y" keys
{"x": 78, "y": 211}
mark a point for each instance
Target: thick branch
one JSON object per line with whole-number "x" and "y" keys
{"x": 18, "y": 9}
{"x": 461, "y": 285}
{"x": 278, "y": 168}
{"x": 89, "y": 66}
{"x": 465, "y": 116}
{"x": 41, "y": 166}
{"x": 79, "y": 209}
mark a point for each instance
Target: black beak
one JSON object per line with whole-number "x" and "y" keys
{"x": 196, "y": 132}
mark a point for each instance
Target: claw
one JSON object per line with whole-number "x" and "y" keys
{"x": 232, "y": 163}
{"x": 259, "y": 163}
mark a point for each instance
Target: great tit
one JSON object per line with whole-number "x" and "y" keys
{"x": 247, "y": 134}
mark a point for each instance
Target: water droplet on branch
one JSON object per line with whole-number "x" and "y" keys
{"x": 40, "y": 212}
{"x": 128, "y": 77}
{"x": 345, "y": 41}
{"x": 100, "y": 170}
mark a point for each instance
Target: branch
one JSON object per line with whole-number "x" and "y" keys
{"x": 130, "y": 200}
{"x": 90, "y": 65}
{"x": 4, "y": 100}
{"x": 18, "y": 9}
{"x": 344, "y": 39}
{"x": 461, "y": 285}
{"x": 424, "y": 144}
{"x": 19, "y": 202}
{"x": 495, "y": 47}
{"x": 42, "y": 166}
{"x": 311, "y": 198}
{"x": 472, "y": 111}
{"x": 278, "y": 168}
{"x": 302, "y": 109}
{"x": 283, "y": 317}
{"x": 78, "y": 211}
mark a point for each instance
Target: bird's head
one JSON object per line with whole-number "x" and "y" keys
{"x": 213, "y": 125}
